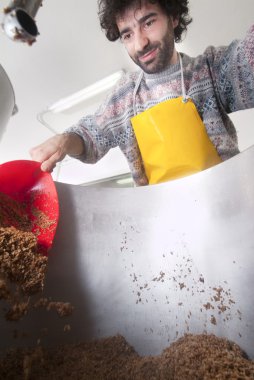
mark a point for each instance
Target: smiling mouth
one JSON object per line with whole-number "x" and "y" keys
{"x": 148, "y": 56}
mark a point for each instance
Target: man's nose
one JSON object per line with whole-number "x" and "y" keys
{"x": 141, "y": 41}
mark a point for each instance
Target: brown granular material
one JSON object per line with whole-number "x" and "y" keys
{"x": 67, "y": 328}
{"x": 17, "y": 310}
{"x": 192, "y": 357}
{"x": 24, "y": 215}
{"x": 22, "y": 265}
{"x": 42, "y": 220}
{"x": 14, "y": 213}
{"x": 22, "y": 275}
{"x": 4, "y": 290}
{"x": 41, "y": 303}
{"x": 20, "y": 260}
{"x": 208, "y": 357}
{"x": 22, "y": 270}
{"x": 63, "y": 309}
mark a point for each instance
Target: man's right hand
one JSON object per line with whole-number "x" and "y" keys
{"x": 55, "y": 149}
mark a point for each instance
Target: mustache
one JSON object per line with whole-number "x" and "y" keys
{"x": 147, "y": 49}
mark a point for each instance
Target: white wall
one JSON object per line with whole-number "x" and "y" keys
{"x": 72, "y": 52}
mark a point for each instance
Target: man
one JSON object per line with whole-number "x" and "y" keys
{"x": 216, "y": 83}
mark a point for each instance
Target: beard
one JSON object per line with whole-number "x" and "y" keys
{"x": 162, "y": 60}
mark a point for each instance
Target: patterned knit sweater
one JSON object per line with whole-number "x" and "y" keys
{"x": 219, "y": 81}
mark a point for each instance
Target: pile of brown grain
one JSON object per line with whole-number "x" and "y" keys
{"x": 193, "y": 357}
{"x": 22, "y": 270}
{"x": 20, "y": 260}
{"x": 22, "y": 275}
{"x": 22, "y": 266}
{"x": 14, "y": 213}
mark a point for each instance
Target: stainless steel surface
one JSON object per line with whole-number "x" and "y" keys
{"x": 19, "y": 23}
{"x": 7, "y": 100}
{"x": 154, "y": 263}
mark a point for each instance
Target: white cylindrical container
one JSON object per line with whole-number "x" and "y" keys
{"x": 7, "y": 100}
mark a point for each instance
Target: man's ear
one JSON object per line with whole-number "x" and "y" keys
{"x": 175, "y": 21}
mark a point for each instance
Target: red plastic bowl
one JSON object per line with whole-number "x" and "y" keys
{"x": 25, "y": 183}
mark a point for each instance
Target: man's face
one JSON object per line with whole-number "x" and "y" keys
{"x": 148, "y": 35}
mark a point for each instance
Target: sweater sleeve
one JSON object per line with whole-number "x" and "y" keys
{"x": 99, "y": 131}
{"x": 233, "y": 72}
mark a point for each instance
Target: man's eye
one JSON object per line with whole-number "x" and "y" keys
{"x": 126, "y": 37}
{"x": 149, "y": 23}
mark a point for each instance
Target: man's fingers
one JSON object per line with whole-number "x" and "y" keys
{"x": 55, "y": 149}
{"x": 49, "y": 164}
{"x": 41, "y": 152}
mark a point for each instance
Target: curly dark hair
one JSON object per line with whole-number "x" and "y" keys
{"x": 110, "y": 9}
